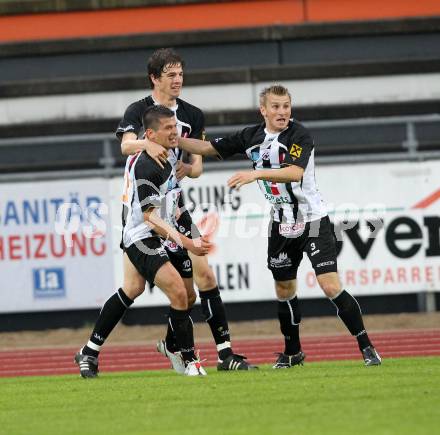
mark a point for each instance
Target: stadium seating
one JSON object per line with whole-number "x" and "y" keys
{"x": 322, "y": 62}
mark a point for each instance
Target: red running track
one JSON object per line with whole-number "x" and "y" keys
{"x": 59, "y": 361}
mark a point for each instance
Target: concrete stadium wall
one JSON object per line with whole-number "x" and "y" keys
{"x": 70, "y": 78}
{"x": 225, "y": 97}
{"x": 249, "y": 60}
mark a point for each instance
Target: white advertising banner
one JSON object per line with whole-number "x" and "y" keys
{"x": 389, "y": 218}
{"x": 386, "y": 218}
{"x": 55, "y": 247}
{"x": 59, "y": 240}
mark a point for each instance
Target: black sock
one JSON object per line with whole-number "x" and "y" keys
{"x": 170, "y": 338}
{"x": 289, "y": 316}
{"x": 215, "y": 315}
{"x": 349, "y": 311}
{"x": 182, "y": 326}
{"x": 111, "y": 313}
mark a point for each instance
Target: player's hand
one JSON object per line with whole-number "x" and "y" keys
{"x": 183, "y": 170}
{"x": 200, "y": 246}
{"x": 157, "y": 152}
{"x": 241, "y": 178}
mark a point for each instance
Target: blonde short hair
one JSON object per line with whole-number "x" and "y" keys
{"x": 279, "y": 90}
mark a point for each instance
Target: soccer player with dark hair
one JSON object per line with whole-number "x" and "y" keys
{"x": 150, "y": 202}
{"x": 282, "y": 153}
{"x": 165, "y": 74}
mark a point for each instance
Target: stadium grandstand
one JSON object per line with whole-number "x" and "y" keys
{"x": 364, "y": 80}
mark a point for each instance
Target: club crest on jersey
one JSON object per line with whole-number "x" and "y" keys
{"x": 271, "y": 187}
{"x": 295, "y": 150}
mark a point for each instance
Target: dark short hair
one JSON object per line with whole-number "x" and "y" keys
{"x": 153, "y": 115}
{"x": 160, "y": 59}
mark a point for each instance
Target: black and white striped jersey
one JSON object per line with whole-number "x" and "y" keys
{"x": 292, "y": 202}
{"x": 147, "y": 185}
{"x": 190, "y": 122}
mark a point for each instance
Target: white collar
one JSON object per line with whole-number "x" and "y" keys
{"x": 174, "y": 108}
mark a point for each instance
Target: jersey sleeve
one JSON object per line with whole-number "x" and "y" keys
{"x": 198, "y": 127}
{"x": 131, "y": 121}
{"x": 299, "y": 149}
{"x": 148, "y": 184}
{"x": 230, "y": 145}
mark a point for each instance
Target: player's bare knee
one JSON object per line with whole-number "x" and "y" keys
{"x": 285, "y": 289}
{"x": 191, "y": 298}
{"x": 330, "y": 284}
{"x": 205, "y": 278}
{"x": 133, "y": 290}
{"x": 331, "y": 289}
{"x": 178, "y": 297}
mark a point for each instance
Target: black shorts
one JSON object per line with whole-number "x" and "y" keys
{"x": 186, "y": 226}
{"x": 179, "y": 259}
{"x": 287, "y": 244}
{"x": 149, "y": 255}
{"x": 179, "y": 256}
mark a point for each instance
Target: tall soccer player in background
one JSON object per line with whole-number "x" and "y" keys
{"x": 282, "y": 152}
{"x": 165, "y": 74}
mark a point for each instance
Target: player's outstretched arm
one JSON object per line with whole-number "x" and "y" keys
{"x": 287, "y": 174}
{"x": 197, "y": 146}
{"x": 282, "y": 175}
{"x": 199, "y": 247}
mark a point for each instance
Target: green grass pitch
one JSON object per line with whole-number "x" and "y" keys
{"x": 400, "y": 397}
